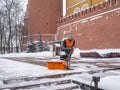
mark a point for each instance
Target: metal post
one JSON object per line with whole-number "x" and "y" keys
{"x": 96, "y": 80}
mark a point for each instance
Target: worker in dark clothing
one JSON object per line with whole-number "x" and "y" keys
{"x": 68, "y": 45}
{"x": 69, "y": 42}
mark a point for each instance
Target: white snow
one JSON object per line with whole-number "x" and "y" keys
{"x": 14, "y": 69}
{"x": 39, "y": 54}
{"x": 110, "y": 83}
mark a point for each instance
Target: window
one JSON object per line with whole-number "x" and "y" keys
{"x": 76, "y": 10}
{"x": 85, "y": 6}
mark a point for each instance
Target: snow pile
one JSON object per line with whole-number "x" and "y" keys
{"x": 76, "y": 53}
{"x": 110, "y": 83}
{"x": 38, "y": 54}
{"x": 101, "y": 51}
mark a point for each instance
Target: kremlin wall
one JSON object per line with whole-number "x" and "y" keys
{"x": 97, "y": 27}
{"x": 95, "y": 24}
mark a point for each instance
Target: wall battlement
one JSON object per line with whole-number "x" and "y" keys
{"x": 91, "y": 10}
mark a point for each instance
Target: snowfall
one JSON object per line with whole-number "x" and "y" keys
{"x": 109, "y": 80}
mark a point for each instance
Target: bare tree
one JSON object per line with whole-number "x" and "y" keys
{"x": 13, "y": 22}
{"x": 1, "y": 31}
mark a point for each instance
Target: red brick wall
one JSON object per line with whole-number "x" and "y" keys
{"x": 95, "y": 28}
{"x": 42, "y": 17}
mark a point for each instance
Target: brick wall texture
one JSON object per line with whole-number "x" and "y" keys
{"x": 95, "y": 28}
{"x": 42, "y": 18}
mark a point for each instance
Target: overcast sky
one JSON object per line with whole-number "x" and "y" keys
{"x": 24, "y": 2}
{"x": 64, "y": 7}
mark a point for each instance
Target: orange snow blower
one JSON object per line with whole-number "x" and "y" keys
{"x": 57, "y": 65}
{"x": 63, "y": 63}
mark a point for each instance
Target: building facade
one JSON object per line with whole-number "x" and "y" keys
{"x": 94, "y": 28}
{"x": 74, "y": 6}
{"x": 42, "y": 18}
{"x": 94, "y": 25}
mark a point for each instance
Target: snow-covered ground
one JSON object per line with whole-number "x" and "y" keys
{"x": 14, "y": 69}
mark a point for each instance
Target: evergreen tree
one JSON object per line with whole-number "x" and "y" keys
{"x": 42, "y": 46}
{"x": 31, "y": 47}
{"x": 46, "y": 47}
